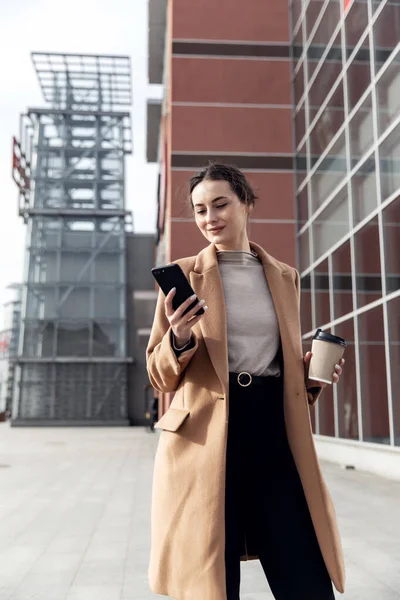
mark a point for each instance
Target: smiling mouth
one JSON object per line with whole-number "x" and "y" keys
{"x": 215, "y": 230}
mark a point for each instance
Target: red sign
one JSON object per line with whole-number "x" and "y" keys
{"x": 20, "y": 167}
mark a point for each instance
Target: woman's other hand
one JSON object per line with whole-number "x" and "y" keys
{"x": 312, "y": 382}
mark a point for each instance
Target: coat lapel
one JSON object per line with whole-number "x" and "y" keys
{"x": 206, "y": 282}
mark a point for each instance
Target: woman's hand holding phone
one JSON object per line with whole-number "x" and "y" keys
{"x": 182, "y": 324}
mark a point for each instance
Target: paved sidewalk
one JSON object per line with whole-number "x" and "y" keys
{"x": 74, "y": 519}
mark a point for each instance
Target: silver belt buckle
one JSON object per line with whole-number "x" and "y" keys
{"x": 244, "y": 384}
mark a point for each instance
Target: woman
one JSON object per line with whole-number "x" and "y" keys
{"x": 236, "y": 475}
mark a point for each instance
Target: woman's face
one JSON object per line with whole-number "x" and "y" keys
{"x": 220, "y": 215}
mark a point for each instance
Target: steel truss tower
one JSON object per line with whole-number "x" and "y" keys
{"x": 72, "y": 357}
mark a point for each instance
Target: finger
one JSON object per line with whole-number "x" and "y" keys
{"x": 335, "y": 377}
{"x": 341, "y": 361}
{"x": 338, "y": 369}
{"x": 169, "y": 310}
{"x": 181, "y": 309}
{"x": 194, "y": 310}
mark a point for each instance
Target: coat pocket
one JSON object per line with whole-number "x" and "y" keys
{"x": 172, "y": 419}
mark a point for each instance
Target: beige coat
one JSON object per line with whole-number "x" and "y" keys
{"x": 187, "y": 532}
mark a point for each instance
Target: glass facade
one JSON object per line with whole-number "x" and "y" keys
{"x": 346, "y": 90}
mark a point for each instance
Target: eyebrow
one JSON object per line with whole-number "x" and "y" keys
{"x": 215, "y": 200}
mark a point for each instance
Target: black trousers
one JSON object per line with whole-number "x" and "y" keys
{"x": 266, "y": 513}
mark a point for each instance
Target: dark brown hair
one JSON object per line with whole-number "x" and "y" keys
{"x": 220, "y": 172}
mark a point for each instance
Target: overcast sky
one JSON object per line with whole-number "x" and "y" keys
{"x": 92, "y": 26}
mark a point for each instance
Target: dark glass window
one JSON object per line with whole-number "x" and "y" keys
{"x": 322, "y": 308}
{"x": 298, "y": 84}
{"x": 326, "y": 413}
{"x": 375, "y": 414}
{"x": 389, "y": 154}
{"x": 356, "y": 23}
{"x": 363, "y": 185}
{"x": 332, "y": 224}
{"x": 300, "y": 124}
{"x": 304, "y": 250}
{"x": 361, "y": 131}
{"x": 393, "y": 309}
{"x": 328, "y": 24}
{"x": 73, "y": 338}
{"x": 358, "y": 79}
{"x": 305, "y": 305}
{"x": 386, "y": 31}
{"x": 329, "y": 122}
{"x": 342, "y": 282}
{"x": 368, "y": 264}
{"x": 302, "y": 208}
{"x": 391, "y": 235}
{"x": 330, "y": 172}
{"x": 388, "y": 92}
{"x": 347, "y": 386}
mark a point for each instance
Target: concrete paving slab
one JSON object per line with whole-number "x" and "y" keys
{"x": 75, "y": 519}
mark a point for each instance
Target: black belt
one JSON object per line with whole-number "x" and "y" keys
{"x": 244, "y": 379}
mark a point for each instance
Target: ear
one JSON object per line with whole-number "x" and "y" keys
{"x": 249, "y": 209}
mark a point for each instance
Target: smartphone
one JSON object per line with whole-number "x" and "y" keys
{"x": 169, "y": 276}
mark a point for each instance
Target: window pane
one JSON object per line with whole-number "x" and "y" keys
{"x": 300, "y": 125}
{"x": 326, "y": 414}
{"x": 305, "y": 305}
{"x": 342, "y": 283}
{"x": 107, "y": 268}
{"x": 304, "y": 250}
{"x": 38, "y": 338}
{"x": 301, "y": 165}
{"x": 361, "y": 131}
{"x": 332, "y": 224}
{"x": 107, "y": 339}
{"x": 74, "y": 263}
{"x": 391, "y": 234}
{"x": 75, "y": 303}
{"x": 368, "y": 264}
{"x": 41, "y": 303}
{"x": 386, "y": 31}
{"x": 375, "y": 415}
{"x": 328, "y": 24}
{"x": 333, "y": 56}
{"x": 323, "y": 83}
{"x": 358, "y": 79}
{"x": 356, "y": 23}
{"x": 389, "y": 153}
{"x": 298, "y": 84}
{"x": 302, "y": 208}
{"x": 363, "y": 185}
{"x": 393, "y": 308}
{"x": 322, "y": 310}
{"x": 73, "y": 339}
{"x": 108, "y": 302}
{"x": 330, "y": 172}
{"x": 347, "y": 386}
{"x": 312, "y": 12}
{"x": 328, "y": 123}
{"x": 296, "y": 11}
{"x": 388, "y": 93}
{"x": 297, "y": 45}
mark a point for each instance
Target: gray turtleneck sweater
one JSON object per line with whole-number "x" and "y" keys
{"x": 252, "y": 325}
{"x": 253, "y": 331}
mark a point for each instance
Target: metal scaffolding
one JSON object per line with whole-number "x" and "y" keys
{"x": 72, "y": 357}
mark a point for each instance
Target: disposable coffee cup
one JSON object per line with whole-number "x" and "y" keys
{"x": 327, "y": 350}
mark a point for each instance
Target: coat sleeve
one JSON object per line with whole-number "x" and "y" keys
{"x": 312, "y": 393}
{"x": 164, "y": 367}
